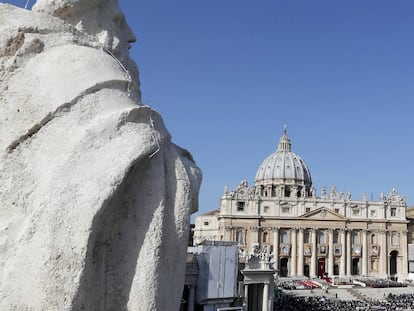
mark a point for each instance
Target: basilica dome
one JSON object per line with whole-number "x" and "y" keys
{"x": 284, "y": 171}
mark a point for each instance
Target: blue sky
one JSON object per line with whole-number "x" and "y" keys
{"x": 227, "y": 75}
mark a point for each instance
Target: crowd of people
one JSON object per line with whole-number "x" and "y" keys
{"x": 380, "y": 283}
{"x": 403, "y": 302}
{"x": 400, "y": 302}
{"x": 297, "y": 284}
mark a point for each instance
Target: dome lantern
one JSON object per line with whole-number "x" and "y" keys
{"x": 284, "y": 142}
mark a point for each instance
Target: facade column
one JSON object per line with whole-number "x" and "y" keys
{"x": 293, "y": 252}
{"x": 300, "y": 253}
{"x": 265, "y": 302}
{"x": 383, "y": 254}
{"x": 342, "y": 266}
{"x": 331, "y": 253}
{"x": 348, "y": 252}
{"x": 364, "y": 253}
{"x": 276, "y": 248}
{"x": 314, "y": 254}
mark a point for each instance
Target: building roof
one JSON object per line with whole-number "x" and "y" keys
{"x": 410, "y": 212}
{"x": 212, "y": 213}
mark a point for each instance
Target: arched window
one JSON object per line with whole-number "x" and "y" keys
{"x": 284, "y": 237}
{"x": 321, "y": 237}
{"x": 373, "y": 239}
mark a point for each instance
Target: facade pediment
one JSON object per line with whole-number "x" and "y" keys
{"x": 323, "y": 214}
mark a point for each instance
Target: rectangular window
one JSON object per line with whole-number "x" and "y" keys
{"x": 337, "y": 210}
{"x": 307, "y": 210}
{"x": 411, "y": 266}
{"x": 266, "y": 209}
{"x": 393, "y": 211}
{"x": 206, "y": 223}
{"x": 373, "y": 213}
{"x": 286, "y": 209}
{"x": 240, "y": 206}
{"x": 355, "y": 211}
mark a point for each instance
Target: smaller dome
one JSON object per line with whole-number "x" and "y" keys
{"x": 283, "y": 166}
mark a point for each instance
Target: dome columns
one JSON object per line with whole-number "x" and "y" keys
{"x": 282, "y": 191}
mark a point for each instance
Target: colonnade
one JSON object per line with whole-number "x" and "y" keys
{"x": 344, "y": 255}
{"x": 347, "y": 250}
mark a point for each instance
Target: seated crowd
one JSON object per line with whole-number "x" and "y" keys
{"x": 297, "y": 284}
{"x": 393, "y": 302}
{"x": 380, "y": 283}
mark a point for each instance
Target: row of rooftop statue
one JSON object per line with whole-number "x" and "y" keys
{"x": 244, "y": 189}
{"x": 95, "y": 198}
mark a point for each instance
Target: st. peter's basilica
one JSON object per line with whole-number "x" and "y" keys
{"x": 310, "y": 234}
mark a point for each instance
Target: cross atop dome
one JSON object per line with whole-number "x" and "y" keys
{"x": 284, "y": 142}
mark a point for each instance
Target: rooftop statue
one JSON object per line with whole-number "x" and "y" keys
{"x": 95, "y": 198}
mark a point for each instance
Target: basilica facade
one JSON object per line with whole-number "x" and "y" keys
{"x": 308, "y": 233}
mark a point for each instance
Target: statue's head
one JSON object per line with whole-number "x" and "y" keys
{"x": 101, "y": 21}
{"x": 100, "y": 18}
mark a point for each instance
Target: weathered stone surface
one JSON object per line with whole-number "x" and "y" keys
{"x": 94, "y": 197}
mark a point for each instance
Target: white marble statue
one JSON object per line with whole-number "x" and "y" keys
{"x": 95, "y": 199}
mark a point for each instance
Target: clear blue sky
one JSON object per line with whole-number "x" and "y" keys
{"x": 227, "y": 75}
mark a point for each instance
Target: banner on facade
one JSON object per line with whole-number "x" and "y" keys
{"x": 356, "y": 250}
{"x": 375, "y": 250}
{"x": 323, "y": 250}
{"x": 285, "y": 250}
{"x": 307, "y": 251}
{"x": 337, "y": 249}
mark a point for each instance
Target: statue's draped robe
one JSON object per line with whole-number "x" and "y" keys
{"x": 94, "y": 197}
